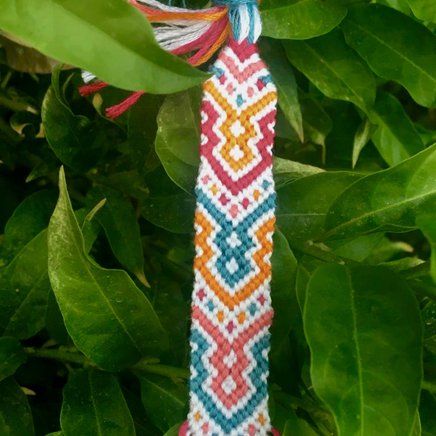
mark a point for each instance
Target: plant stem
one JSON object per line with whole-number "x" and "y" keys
{"x": 429, "y": 386}
{"x": 60, "y": 355}
{"x": 148, "y": 364}
{"x": 165, "y": 370}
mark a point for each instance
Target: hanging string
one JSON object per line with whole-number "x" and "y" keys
{"x": 197, "y": 33}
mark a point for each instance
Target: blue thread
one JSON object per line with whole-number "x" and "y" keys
{"x": 234, "y": 7}
{"x": 252, "y": 309}
{"x": 256, "y": 375}
{"x": 234, "y": 3}
{"x": 266, "y": 79}
{"x": 210, "y": 306}
{"x": 239, "y": 253}
{"x": 216, "y": 71}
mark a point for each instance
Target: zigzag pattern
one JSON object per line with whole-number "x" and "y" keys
{"x": 231, "y": 308}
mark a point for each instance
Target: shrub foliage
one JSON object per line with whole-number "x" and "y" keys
{"x": 96, "y": 257}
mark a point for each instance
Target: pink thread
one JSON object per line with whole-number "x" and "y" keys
{"x": 183, "y": 431}
{"x": 92, "y": 88}
{"x": 118, "y": 109}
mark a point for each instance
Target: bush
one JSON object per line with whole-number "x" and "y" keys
{"x": 96, "y": 276}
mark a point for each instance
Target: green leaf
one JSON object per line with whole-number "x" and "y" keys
{"x": 427, "y": 224}
{"x": 15, "y": 415}
{"x": 24, "y": 290}
{"x": 402, "y": 51}
{"x": 164, "y": 400}
{"x": 70, "y": 31}
{"x": 174, "y": 213}
{"x": 29, "y": 218}
{"x": 423, "y": 9}
{"x": 367, "y": 369}
{"x": 286, "y": 171}
{"x": 284, "y": 270}
{"x": 109, "y": 319}
{"x": 174, "y": 431}
{"x": 12, "y": 356}
{"x": 10, "y": 198}
{"x": 361, "y": 139}
{"x": 284, "y": 79}
{"x": 395, "y": 137}
{"x": 427, "y": 415}
{"x": 300, "y": 19}
{"x": 178, "y": 137}
{"x": 316, "y": 122}
{"x": 141, "y": 133}
{"x": 118, "y": 219}
{"x": 297, "y": 427}
{"x": 174, "y": 313}
{"x": 94, "y": 405}
{"x": 388, "y": 200}
{"x": 54, "y": 322}
{"x": 334, "y": 68}
{"x": 303, "y": 204}
{"x": 73, "y": 138}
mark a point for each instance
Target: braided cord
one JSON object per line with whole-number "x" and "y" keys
{"x": 234, "y": 224}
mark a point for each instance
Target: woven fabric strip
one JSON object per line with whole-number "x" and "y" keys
{"x": 231, "y": 304}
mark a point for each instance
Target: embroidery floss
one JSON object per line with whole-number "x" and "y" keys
{"x": 231, "y": 304}
{"x": 234, "y": 222}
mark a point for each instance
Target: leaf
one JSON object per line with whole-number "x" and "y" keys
{"x": 333, "y": 68}
{"x": 70, "y": 31}
{"x": 178, "y": 137}
{"x": 29, "y": 218}
{"x": 174, "y": 213}
{"x": 26, "y": 59}
{"x": 360, "y": 249}
{"x": 426, "y": 411}
{"x": 94, "y": 405}
{"x": 316, "y": 122}
{"x": 284, "y": 79}
{"x": 118, "y": 219}
{"x": 402, "y": 51}
{"x": 10, "y": 199}
{"x": 73, "y": 138}
{"x": 297, "y": 427}
{"x": 361, "y": 139}
{"x": 24, "y": 290}
{"x": 174, "y": 314}
{"x": 301, "y": 19}
{"x": 426, "y": 222}
{"x": 423, "y": 9}
{"x": 164, "y": 400}
{"x": 303, "y": 204}
{"x": 284, "y": 271}
{"x": 389, "y": 200}
{"x": 367, "y": 369}
{"x": 109, "y": 319}
{"x": 174, "y": 431}
{"x": 54, "y": 323}
{"x": 12, "y": 356}
{"x": 286, "y": 171}
{"x": 15, "y": 415}
{"x": 142, "y": 127}
{"x": 395, "y": 137}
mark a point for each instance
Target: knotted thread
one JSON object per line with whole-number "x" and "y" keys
{"x": 244, "y": 17}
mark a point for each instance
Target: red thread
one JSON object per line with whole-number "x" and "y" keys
{"x": 118, "y": 109}
{"x": 184, "y": 429}
{"x": 92, "y": 88}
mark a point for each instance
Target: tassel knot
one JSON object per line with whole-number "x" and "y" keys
{"x": 244, "y": 17}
